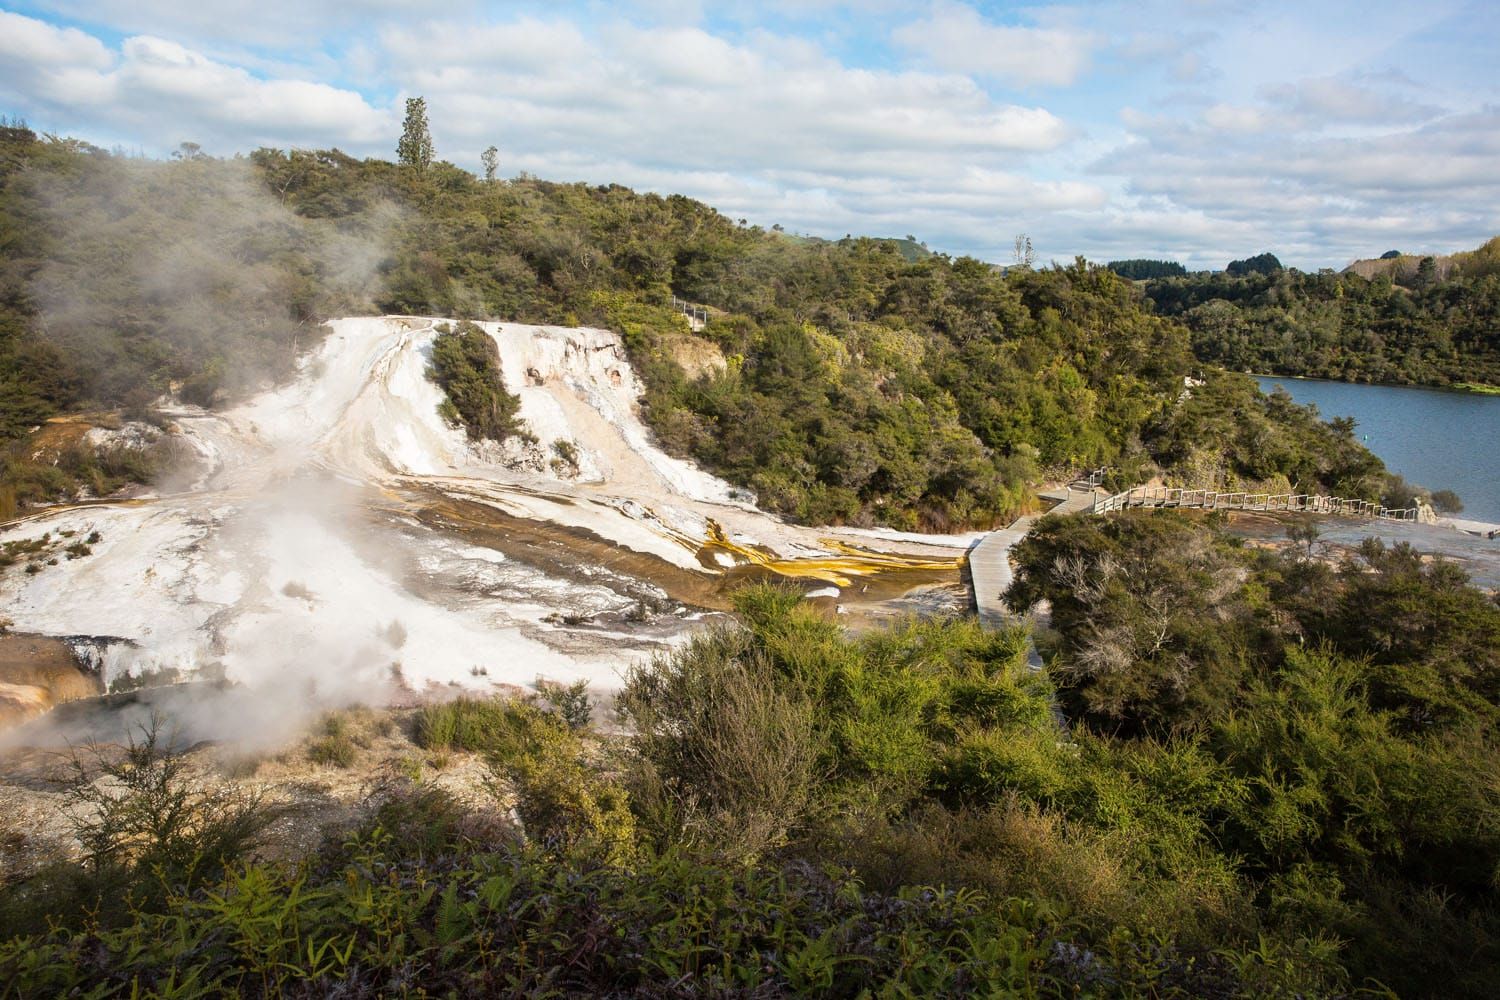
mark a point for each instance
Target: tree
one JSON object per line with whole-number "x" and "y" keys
{"x": 1446, "y": 502}
{"x": 1426, "y": 274}
{"x": 415, "y": 147}
{"x": 1022, "y": 253}
{"x": 1138, "y": 269}
{"x": 1263, "y": 263}
{"x": 1150, "y": 614}
{"x": 491, "y": 160}
{"x": 1303, "y": 532}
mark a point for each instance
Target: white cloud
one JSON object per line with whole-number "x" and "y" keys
{"x": 1201, "y": 130}
{"x": 768, "y": 128}
{"x": 237, "y": 22}
{"x": 1237, "y": 118}
{"x": 526, "y": 44}
{"x": 41, "y": 43}
{"x": 59, "y": 66}
{"x": 1315, "y": 195}
{"x": 1329, "y": 99}
{"x": 169, "y": 76}
{"x": 173, "y": 93}
{"x": 684, "y": 97}
{"x": 955, "y": 37}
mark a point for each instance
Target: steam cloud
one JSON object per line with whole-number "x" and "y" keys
{"x": 190, "y": 278}
{"x": 190, "y": 275}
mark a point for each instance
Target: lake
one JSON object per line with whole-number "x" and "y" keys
{"x": 1436, "y": 439}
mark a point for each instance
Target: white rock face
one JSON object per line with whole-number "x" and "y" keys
{"x": 288, "y": 555}
{"x": 592, "y": 367}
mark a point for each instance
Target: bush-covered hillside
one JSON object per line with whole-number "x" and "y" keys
{"x": 1342, "y": 720}
{"x": 842, "y": 381}
{"x": 1415, "y": 330}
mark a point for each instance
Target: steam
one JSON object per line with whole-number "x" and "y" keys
{"x": 290, "y": 567}
{"x": 189, "y": 275}
{"x": 190, "y": 278}
{"x": 306, "y": 596}
{"x": 251, "y": 719}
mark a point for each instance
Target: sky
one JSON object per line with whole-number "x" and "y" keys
{"x": 1197, "y": 130}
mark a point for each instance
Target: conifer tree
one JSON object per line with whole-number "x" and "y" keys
{"x": 415, "y": 147}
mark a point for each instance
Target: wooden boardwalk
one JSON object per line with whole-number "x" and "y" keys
{"x": 1303, "y": 503}
{"x": 989, "y": 559}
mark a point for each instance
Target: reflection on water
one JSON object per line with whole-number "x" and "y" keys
{"x": 1479, "y": 557}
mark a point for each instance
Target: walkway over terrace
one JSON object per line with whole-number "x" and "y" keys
{"x": 1304, "y": 503}
{"x": 989, "y": 559}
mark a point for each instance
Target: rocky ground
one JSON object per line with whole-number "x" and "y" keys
{"x": 323, "y": 781}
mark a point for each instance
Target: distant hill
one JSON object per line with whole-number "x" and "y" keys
{"x": 1402, "y": 268}
{"x": 1436, "y": 322}
{"x": 911, "y": 249}
{"x": 1141, "y": 269}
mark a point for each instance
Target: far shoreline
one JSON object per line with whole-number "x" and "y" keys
{"x": 1464, "y": 388}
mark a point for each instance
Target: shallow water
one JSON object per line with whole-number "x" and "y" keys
{"x": 1479, "y": 557}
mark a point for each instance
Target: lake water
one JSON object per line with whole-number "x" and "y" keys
{"x": 1440, "y": 440}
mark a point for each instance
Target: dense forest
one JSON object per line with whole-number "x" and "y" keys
{"x": 856, "y": 380}
{"x": 1244, "y": 774}
{"x": 1141, "y": 269}
{"x": 1401, "y": 327}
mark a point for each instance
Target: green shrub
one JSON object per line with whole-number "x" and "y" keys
{"x": 1015, "y": 848}
{"x": 336, "y": 745}
{"x": 500, "y": 727}
{"x": 424, "y": 823}
{"x": 728, "y": 760}
{"x": 1446, "y": 502}
{"x": 529, "y": 923}
{"x": 466, "y": 365}
{"x": 571, "y": 701}
{"x": 566, "y": 806}
{"x": 148, "y": 824}
{"x": 333, "y": 751}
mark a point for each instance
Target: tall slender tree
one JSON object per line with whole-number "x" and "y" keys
{"x": 415, "y": 147}
{"x": 491, "y": 160}
{"x": 1023, "y": 254}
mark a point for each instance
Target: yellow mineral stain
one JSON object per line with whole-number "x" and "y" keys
{"x": 852, "y": 561}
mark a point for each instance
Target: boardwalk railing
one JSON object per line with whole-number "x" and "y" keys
{"x": 1089, "y": 480}
{"x": 695, "y": 313}
{"x": 1308, "y": 503}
